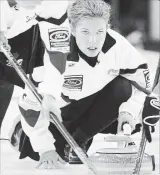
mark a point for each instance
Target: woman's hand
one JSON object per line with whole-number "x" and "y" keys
{"x": 150, "y": 115}
{"x": 49, "y": 105}
{"x": 125, "y": 117}
{"x": 50, "y": 160}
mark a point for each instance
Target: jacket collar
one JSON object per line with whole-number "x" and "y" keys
{"x": 52, "y": 20}
{"x": 108, "y": 43}
{"x": 73, "y": 55}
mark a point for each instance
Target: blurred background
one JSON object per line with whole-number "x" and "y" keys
{"x": 138, "y": 21}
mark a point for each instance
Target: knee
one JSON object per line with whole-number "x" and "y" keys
{"x": 121, "y": 88}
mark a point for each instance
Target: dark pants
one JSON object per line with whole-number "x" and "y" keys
{"x": 6, "y": 91}
{"x": 91, "y": 115}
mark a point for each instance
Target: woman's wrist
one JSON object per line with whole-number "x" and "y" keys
{"x": 125, "y": 113}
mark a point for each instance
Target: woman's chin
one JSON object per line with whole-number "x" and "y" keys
{"x": 92, "y": 53}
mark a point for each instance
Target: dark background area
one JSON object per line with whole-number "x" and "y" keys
{"x": 134, "y": 16}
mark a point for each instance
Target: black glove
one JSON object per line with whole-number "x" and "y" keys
{"x": 150, "y": 115}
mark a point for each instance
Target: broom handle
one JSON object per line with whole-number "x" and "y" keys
{"x": 143, "y": 141}
{"x": 83, "y": 157}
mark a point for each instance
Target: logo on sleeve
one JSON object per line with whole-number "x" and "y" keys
{"x": 147, "y": 78}
{"x": 73, "y": 83}
{"x": 155, "y": 103}
{"x": 29, "y": 18}
{"x": 59, "y": 39}
{"x": 113, "y": 71}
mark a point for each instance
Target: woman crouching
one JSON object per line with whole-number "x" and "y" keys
{"x": 96, "y": 88}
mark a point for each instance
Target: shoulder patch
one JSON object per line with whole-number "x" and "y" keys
{"x": 59, "y": 39}
{"x": 147, "y": 78}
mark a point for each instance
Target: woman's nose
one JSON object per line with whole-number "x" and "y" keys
{"x": 92, "y": 39}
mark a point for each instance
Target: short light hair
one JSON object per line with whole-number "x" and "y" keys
{"x": 88, "y": 8}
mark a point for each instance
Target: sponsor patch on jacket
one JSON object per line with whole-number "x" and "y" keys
{"x": 59, "y": 39}
{"x": 147, "y": 78}
{"x": 73, "y": 83}
{"x": 29, "y": 18}
{"x": 113, "y": 71}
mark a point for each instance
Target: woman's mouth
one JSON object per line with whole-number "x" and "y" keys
{"x": 92, "y": 48}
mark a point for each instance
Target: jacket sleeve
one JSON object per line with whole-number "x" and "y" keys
{"x": 34, "y": 124}
{"x": 51, "y": 80}
{"x": 54, "y": 58}
{"x": 40, "y": 137}
{"x": 134, "y": 68}
{"x": 54, "y": 66}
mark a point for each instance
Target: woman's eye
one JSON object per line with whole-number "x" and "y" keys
{"x": 85, "y": 32}
{"x": 100, "y": 32}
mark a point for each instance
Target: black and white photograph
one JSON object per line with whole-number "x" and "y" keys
{"x": 79, "y": 87}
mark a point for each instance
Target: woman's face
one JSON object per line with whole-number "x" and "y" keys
{"x": 90, "y": 35}
{"x": 28, "y": 4}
